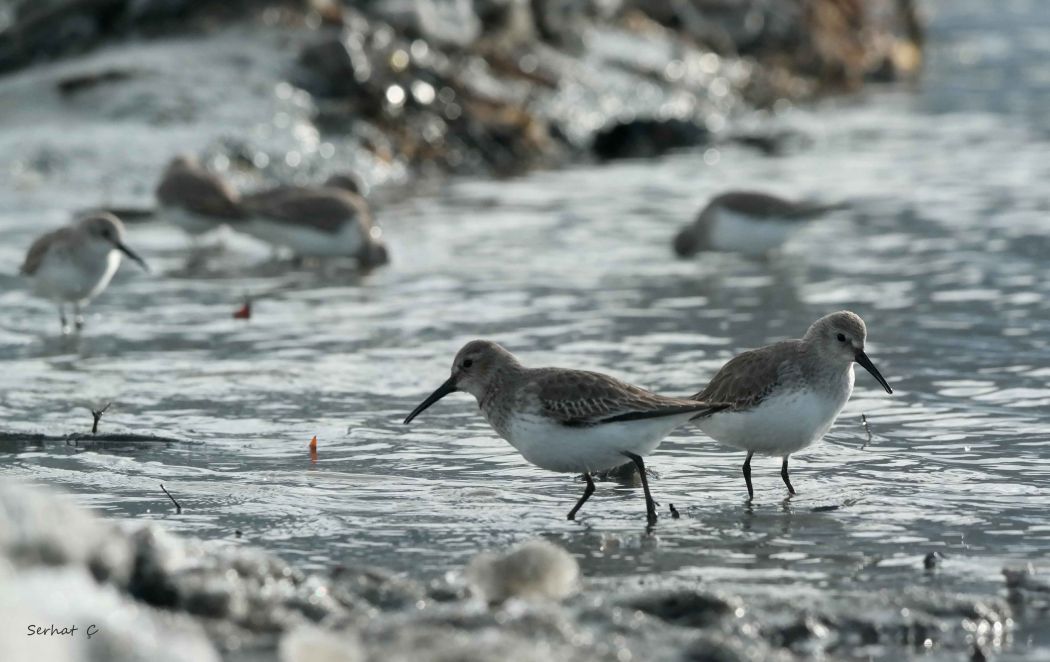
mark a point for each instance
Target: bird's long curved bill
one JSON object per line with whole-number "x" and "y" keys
{"x": 132, "y": 254}
{"x": 863, "y": 359}
{"x": 443, "y": 390}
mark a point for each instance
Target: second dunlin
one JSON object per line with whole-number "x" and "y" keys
{"x": 570, "y": 421}
{"x": 785, "y": 396}
{"x": 327, "y": 221}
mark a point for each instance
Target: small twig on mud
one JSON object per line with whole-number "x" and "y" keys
{"x": 97, "y": 415}
{"x": 867, "y": 428}
{"x": 178, "y": 508}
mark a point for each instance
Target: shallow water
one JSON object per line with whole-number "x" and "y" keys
{"x": 944, "y": 254}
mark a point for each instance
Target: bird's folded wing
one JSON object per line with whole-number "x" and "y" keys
{"x": 747, "y": 378}
{"x": 35, "y": 256}
{"x": 580, "y": 398}
{"x": 326, "y": 210}
{"x": 205, "y": 195}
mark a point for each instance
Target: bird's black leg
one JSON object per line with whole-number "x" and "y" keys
{"x": 747, "y": 475}
{"x": 62, "y": 316}
{"x": 78, "y": 317}
{"x": 587, "y": 492}
{"x": 784, "y": 475}
{"x": 650, "y": 505}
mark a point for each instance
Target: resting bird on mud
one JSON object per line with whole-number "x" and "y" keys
{"x": 747, "y": 222}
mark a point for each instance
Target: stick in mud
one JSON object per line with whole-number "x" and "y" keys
{"x": 178, "y": 508}
{"x": 867, "y": 428}
{"x": 97, "y": 415}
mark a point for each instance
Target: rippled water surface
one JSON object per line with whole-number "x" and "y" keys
{"x": 944, "y": 254}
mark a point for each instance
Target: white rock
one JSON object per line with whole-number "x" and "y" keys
{"x": 533, "y": 570}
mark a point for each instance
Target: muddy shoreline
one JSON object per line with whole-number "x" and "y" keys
{"x": 143, "y": 589}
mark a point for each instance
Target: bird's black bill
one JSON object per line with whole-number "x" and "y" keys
{"x": 863, "y": 359}
{"x": 132, "y": 254}
{"x": 443, "y": 390}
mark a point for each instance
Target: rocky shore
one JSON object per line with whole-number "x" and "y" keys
{"x": 147, "y": 594}
{"x": 489, "y": 87}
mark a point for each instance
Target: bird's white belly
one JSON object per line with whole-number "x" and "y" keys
{"x": 189, "y": 222}
{"x": 779, "y": 425}
{"x": 304, "y": 240}
{"x": 732, "y": 231}
{"x": 62, "y": 278}
{"x": 556, "y": 447}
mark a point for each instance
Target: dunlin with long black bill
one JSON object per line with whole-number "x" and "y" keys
{"x": 747, "y": 222}
{"x": 570, "y": 421}
{"x": 785, "y": 396}
{"x": 74, "y": 264}
{"x": 327, "y": 221}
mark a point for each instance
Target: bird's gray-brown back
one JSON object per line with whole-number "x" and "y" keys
{"x": 749, "y": 377}
{"x": 323, "y": 209}
{"x": 577, "y": 398}
{"x": 191, "y": 187}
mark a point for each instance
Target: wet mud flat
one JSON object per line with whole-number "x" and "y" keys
{"x": 151, "y": 594}
{"x": 957, "y": 463}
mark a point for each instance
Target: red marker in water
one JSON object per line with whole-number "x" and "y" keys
{"x": 244, "y": 312}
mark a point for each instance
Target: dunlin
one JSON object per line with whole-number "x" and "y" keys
{"x": 785, "y": 396}
{"x": 75, "y": 263}
{"x": 570, "y": 421}
{"x": 327, "y": 221}
{"x": 195, "y": 199}
{"x": 746, "y": 222}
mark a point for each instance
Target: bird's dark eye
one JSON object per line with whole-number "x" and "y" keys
{"x": 841, "y": 337}
{"x": 467, "y": 363}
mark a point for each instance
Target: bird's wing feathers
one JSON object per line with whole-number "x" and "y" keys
{"x": 326, "y": 210}
{"x": 747, "y": 378}
{"x": 581, "y": 398}
{"x": 39, "y": 249}
{"x": 207, "y": 195}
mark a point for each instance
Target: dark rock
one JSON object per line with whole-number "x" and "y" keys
{"x": 331, "y": 67}
{"x": 644, "y": 138}
{"x": 932, "y": 560}
{"x": 720, "y": 648}
{"x": 685, "y": 607}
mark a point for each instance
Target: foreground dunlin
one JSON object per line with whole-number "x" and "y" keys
{"x": 326, "y": 221}
{"x": 72, "y": 265}
{"x": 746, "y": 222}
{"x": 785, "y": 396}
{"x": 570, "y": 421}
{"x": 196, "y": 200}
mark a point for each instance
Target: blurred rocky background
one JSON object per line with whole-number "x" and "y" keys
{"x": 395, "y": 89}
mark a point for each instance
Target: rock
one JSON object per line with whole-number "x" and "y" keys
{"x": 932, "y": 560}
{"x": 720, "y": 648}
{"x": 447, "y": 23}
{"x": 313, "y": 644}
{"x": 533, "y": 570}
{"x": 110, "y": 625}
{"x": 30, "y": 535}
{"x": 685, "y": 607}
{"x": 646, "y": 138}
{"x": 331, "y": 67}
